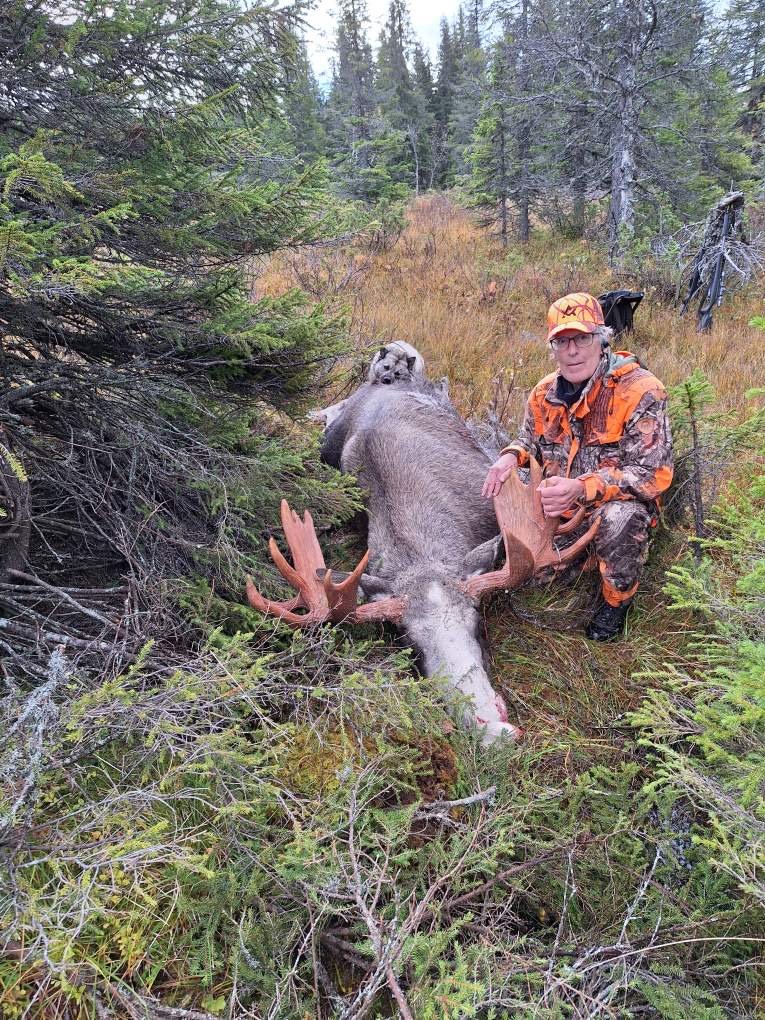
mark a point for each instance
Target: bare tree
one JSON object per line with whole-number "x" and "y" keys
{"x": 610, "y": 69}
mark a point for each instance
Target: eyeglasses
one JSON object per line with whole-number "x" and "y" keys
{"x": 581, "y": 340}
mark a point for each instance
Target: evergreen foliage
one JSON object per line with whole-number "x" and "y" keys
{"x": 744, "y": 58}
{"x": 631, "y": 117}
{"x": 507, "y": 156}
{"x": 137, "y": 370}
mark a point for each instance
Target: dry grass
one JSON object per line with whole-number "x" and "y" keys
{"x": 478, "y": 315}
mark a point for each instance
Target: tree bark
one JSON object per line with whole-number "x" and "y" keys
{"x": 524, "y": 132}
{"x": 621, "y": 219}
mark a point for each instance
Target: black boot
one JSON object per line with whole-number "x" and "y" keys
{"x": 608, "y": 621}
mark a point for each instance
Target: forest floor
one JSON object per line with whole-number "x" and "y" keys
{"x": 477, "y": 313}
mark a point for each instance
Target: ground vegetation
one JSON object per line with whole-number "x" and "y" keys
{"x": 203, "y": 814}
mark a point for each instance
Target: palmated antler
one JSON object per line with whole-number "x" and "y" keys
{"x": 318, "y": 593}
{"x": 528, "y": 535}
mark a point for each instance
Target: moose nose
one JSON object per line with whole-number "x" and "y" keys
{"x": 387, "y": 381}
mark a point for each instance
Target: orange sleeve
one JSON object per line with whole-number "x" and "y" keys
{"x": 526, "y": 444}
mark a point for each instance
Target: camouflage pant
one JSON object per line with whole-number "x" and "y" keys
{"x": 620, "y": 546}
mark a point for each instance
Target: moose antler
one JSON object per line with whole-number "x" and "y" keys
{"x": 528, "y": 535}
{"x": 318, "y": 593}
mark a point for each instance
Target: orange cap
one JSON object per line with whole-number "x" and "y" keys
{"x": 581, "y": 312}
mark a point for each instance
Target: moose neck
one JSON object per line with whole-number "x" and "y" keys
{"x": 443, "y": 625}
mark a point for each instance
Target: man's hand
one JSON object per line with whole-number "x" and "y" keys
{"x": 559, "y": 494}
{"x": 498, "y": 473}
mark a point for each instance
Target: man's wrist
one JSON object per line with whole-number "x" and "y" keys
{"x": 518, "y": 452}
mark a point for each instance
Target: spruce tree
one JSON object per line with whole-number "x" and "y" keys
{"x": 431, "y": 154}
{"x": 352, "y": 120}
{"x": 744, "y": 57}
{"x": 137, "y": 371}
{"x": 507, "y": 157}
{"x": 468, "y": 88}
{"x": 624, "y": 81}
{"x": 395, "y": 93}
{"x": 303, "y": 109}
{"x": 446, "y": 81}
{"x": 490, "y": 155}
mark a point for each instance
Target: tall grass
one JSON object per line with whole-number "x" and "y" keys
{"x": 478, "y": 313}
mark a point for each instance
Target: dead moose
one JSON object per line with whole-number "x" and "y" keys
{"x": 433, "y": 539}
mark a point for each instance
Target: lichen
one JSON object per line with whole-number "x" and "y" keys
{"x": 14, "y": 463}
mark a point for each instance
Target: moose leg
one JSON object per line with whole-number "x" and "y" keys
{"x": 327, "y": 415}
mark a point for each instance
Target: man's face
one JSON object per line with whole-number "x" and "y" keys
{"x": 577, "y": 364}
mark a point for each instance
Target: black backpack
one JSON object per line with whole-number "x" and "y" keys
{"x": 619, "y": 308}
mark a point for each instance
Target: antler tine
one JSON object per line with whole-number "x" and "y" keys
{"x": 285, "y": 569}
{"x": 528, "y": 535}
{"x": 542, "y": 530}
{"x": 558, "y": 557}
{"x": 301, "y": 541}
{"x": 318, "y": 593}
{"x": 307, "y": 558}
{"x": 342, "y": 596}
{"x": 517, "y": 568}
{"x": 573, "y": 522}
{"x": 284, "y": 610}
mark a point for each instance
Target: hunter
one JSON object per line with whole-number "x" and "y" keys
{"x": 599, "y": 427}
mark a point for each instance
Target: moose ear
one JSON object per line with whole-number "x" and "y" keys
{"x": 411, "y": 361}
{"x": 481, "y": 559}
{"x": 383, "y": 351}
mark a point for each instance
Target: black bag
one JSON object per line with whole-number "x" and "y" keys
{"x": 619, "y": 308}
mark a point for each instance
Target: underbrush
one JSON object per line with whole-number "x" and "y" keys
{"x": 288, "y": 826}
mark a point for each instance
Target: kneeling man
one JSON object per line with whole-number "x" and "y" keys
{"x": 599, "y": 427}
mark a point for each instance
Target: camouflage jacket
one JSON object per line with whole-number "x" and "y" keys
{"x": 615, "y": 437}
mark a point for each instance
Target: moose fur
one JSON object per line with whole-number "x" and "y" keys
{"x": 429, "y": 527}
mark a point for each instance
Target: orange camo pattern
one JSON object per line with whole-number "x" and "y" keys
{"x": 579, "y": 311}
{"x": 616, "y": 439}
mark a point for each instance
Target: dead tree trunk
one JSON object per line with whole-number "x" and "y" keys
{"x": 623, "y": 169}
{"x": 636, "y": 29}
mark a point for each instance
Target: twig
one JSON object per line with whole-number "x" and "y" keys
{"x": 440, "y": 806}
{"x": 64, "y": 595}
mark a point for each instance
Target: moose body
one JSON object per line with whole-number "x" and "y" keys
{"x": 429, "y": 527}
{"x": 433, "y": 538}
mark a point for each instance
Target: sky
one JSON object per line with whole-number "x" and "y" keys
{"x": 426, "y": 19}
